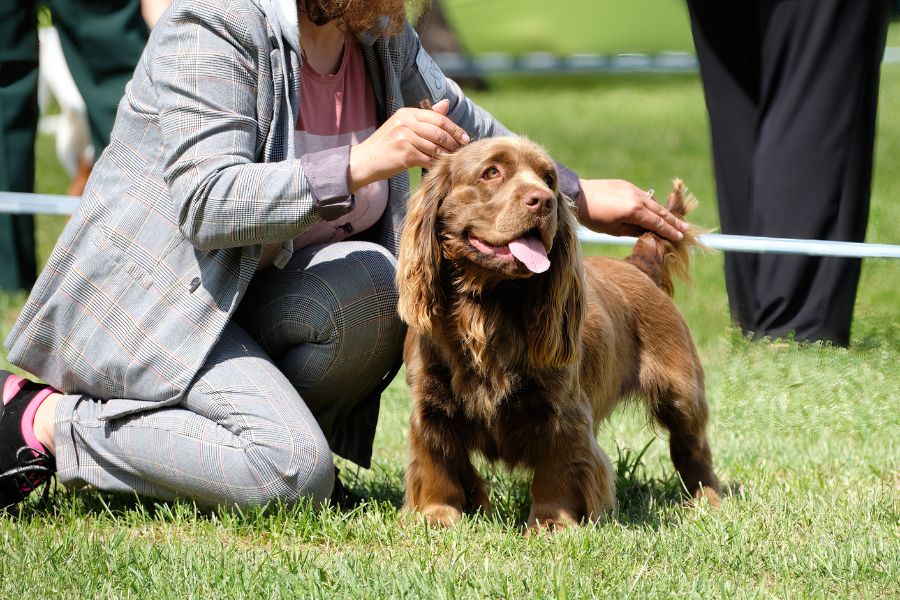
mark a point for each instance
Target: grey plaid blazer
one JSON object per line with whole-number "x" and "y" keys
{"x": 193, "y": 183}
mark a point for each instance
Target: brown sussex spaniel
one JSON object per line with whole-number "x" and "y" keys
{"x": 518, "y": 349}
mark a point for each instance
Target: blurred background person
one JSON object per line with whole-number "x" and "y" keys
{"x": 791, "y": 89}
{"x": 153, "y": 10}
{"x": 74, "y": 149}
{"x": 439, "y": 37}
{"x": 102, "y": 42}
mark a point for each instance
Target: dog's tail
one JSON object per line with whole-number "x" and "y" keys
{"x": 661, "y": 258}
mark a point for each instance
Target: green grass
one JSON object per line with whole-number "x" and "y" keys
{"x": 805, "y": 439}
{"x": 602, "y": 26}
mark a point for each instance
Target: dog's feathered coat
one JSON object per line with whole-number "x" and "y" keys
{"x": 519, "y": 358}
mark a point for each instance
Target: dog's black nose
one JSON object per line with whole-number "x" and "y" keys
{"x": 538, "y": 201}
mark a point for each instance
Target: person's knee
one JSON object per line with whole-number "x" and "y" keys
{"x": 299, "y": 467}
{"x": 314, "y": 481}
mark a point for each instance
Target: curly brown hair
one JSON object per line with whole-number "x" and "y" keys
{"x": 363, "y": 15}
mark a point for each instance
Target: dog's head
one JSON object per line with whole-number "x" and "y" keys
{"x": 493, "y": 211}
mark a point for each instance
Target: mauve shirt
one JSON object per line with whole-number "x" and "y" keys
{"x": 337, "y": 110}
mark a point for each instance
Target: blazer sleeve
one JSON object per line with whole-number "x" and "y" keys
{"x": 422, "y": 79}
{"x": 206, "y": 73}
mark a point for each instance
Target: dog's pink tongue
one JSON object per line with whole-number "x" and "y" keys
{"x": 530, "y": 250}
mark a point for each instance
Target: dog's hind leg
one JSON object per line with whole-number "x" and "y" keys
{"x": 679, "y": 404}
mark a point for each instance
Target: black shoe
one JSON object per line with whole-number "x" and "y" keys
{"x": 22, "y": 468}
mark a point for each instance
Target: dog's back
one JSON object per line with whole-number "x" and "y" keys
{"x": 636, "y": 342}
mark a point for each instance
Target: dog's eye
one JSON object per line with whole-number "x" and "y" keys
{"x": 550, "y": 180}
{"x": 491, "y": 173}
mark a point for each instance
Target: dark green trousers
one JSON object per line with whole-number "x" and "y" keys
{"x": 102, "y": 42}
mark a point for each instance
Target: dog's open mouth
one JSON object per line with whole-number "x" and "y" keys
{"x": 528, "y": 249}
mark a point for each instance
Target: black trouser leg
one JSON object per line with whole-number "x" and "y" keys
{"x": 813, "y": 163}
{"x": 730, "y": 70}
{"x": 18, "y": 125}
{"x": 815, "y": 90}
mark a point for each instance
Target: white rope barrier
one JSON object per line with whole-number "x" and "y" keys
{"x": 19, "y": 203}
{"x": 455, "y": 64}
{"x": 767, "y": 245}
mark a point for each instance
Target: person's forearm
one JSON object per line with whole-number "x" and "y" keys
{"x": 242, "y": 204}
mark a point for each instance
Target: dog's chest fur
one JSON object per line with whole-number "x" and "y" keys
{"x": 481, "y": 392}
{"x": 486, "y": 362}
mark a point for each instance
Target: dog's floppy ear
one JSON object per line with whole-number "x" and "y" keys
{"x": 557, "y": 318}
{"x": 419, "y": 263}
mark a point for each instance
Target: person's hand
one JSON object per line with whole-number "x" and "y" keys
{"x": 618, "y": 207}
{"x": 412, "y": 137}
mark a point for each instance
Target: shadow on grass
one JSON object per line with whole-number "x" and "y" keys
{"x": 653, "y": 501}
{"x": 129, "y": 510}
{"x": 383, "y": 484}
{"x": 93, "y": 503}
{"x": 643, "y": 500}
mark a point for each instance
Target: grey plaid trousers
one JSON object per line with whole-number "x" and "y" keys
{"x": 308, "y": 344}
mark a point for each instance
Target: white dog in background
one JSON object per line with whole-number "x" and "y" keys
{"x": 73, "y": 136}
{"x": 74, "y": 148}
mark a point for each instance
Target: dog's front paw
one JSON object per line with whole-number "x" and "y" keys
{"x": 549, "y": 518}
{"x": 705, "y": 495}
{"x": 441, "y": 515}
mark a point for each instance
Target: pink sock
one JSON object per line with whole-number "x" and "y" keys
{"x": 11, "y": 388}
{"x": 28, "y": 420}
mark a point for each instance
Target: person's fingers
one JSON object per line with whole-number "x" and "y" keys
{"x": 651, "y": 220}
{"x": 437, "y": 119}
{"x": 423, "y": 152}
{"x": 442, "y": 139}
{"x": 661, "y": 211}
{"x": 442, "y": 107}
